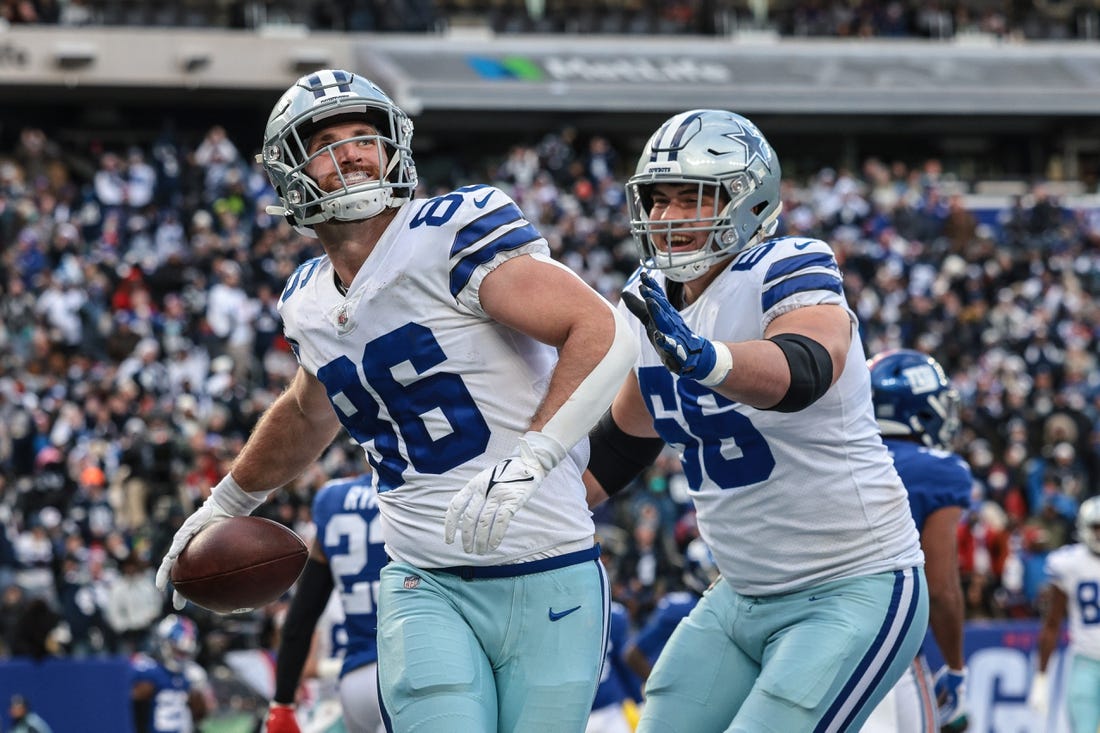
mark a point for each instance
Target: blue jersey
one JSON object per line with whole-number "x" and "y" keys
{"x": 670, "y": 611}
{"x": 615, "y": 680}
{"x": 346, "y": 515}
{"x": 933, "y": 478}
{"x": 170, "y": 712}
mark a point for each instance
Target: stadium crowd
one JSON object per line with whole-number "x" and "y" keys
{"x": 815, "y": 18}
{"x": 140, "y": 341}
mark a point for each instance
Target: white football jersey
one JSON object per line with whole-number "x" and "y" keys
{"x": 432, "y": 388}
{"x": 1075, "y": 570}
{"x": 784, "y": 500}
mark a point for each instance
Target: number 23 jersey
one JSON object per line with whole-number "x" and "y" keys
{"x": 784, "y": 500}
{"x": 432, "y": 388}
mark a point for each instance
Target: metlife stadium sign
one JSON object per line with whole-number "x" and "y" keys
{"x": 616, "y": 70}
{"x": 652, "y": 74}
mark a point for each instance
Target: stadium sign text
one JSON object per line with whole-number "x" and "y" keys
{"x": 628, "y": 70}
{"x": 12, "y": 55}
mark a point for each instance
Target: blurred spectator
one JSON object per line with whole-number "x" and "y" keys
{"x": 25, "y": 720}
{"x": 133, "y": 604}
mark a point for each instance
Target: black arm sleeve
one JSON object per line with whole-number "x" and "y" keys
{"x": 618, "y": 457}
{"x": 314, "y": 588}
{"x": 811, "y": 371}
{"x": 142, "y": 710}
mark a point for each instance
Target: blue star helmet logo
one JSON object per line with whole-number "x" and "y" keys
{"x": 756, "y": 147}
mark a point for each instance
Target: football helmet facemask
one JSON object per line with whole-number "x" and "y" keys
{"x": 325, "y": 97}
{"x": 1088, "y": 524}
{"x": 913, "y": 397}
{"x": 177, "y": 640}
{"x": 724, "y": 154}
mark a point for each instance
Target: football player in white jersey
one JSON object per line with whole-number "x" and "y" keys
{"x": 1074, "y": 573}
{"x": 918, "y": 413}
{"x": 470, "y": 366}
{"x": 757, "y": 374}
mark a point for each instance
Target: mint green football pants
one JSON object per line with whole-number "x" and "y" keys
{"x": 815, "y": 660}
{"x": 496, "y": 654}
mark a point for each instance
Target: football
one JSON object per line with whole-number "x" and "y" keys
{"x": 237, "y": 564}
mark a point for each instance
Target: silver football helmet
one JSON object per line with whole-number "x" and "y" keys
{"x": 322, "y": 98}
{"x": 1088, "y": 523}
{"x": 719, "y": 151}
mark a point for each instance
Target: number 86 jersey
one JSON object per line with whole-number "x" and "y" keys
{"x": 432, "y": 388}
{"x": 784, "y": 500}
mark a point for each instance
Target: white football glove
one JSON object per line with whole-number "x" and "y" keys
{"x": 1038, "y": 699}
{"x": 227, "y": 499}
{"x": 486, "y": 504}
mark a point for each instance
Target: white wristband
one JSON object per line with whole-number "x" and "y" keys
{"x": 723, "y": 363}
{"x": 233, "y": 500}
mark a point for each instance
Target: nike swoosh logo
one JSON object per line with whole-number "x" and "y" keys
{"x": 821, "y": 598}
{"x": 558, "y": 615}
{"x": 480, "y": 203}
{"x": 802, "y": 245}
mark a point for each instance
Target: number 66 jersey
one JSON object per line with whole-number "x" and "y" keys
{"x": 784, "y": 500}
{"x": 432, "y": 388}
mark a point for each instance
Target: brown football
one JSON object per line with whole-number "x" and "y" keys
{"x": 238, "y": 564}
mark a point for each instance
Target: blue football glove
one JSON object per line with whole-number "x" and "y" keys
{"x": 950, "y": 689}
{"x": 681, "y": 350}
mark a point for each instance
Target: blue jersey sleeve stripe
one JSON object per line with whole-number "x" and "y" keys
{"x": 790, "y": 265}
{"x": 799, "y": 284}
{"x": 483, "y": 225}
{"x": 512, "y": 239}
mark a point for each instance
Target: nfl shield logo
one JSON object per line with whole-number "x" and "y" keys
{"x": 412, "y": 581}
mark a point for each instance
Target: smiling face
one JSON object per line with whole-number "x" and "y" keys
{"x": 345, "y": 154}
{"x": 681, "y": 206}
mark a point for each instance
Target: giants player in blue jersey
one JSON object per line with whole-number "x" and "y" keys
{"x": 167, "y": 687}
{"x": 918, "y": 413}
{"x": 614, "y": 703}
{"x": 347, "y": 555}
{"x": 755, "y": 371}
{"x": 699, "y": 573}
{"x": 1074, "y": 591}
{"x": 470, "y": 367}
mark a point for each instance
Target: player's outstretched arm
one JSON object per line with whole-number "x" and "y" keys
{"x": 802, "y": 354}
{"x": 1054, "y": 615}
{"x": 545, "y": 300}
{"x": 947, "y": 612}
{"x": 289, "y": 436}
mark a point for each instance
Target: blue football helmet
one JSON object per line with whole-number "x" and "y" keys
{"x": 326, "y": 97}
{"x": 1088, "y": 524}
{"x": 718, "y": 151}
{"x": 177, "y": 640}
{"x": 913, "y": 397}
